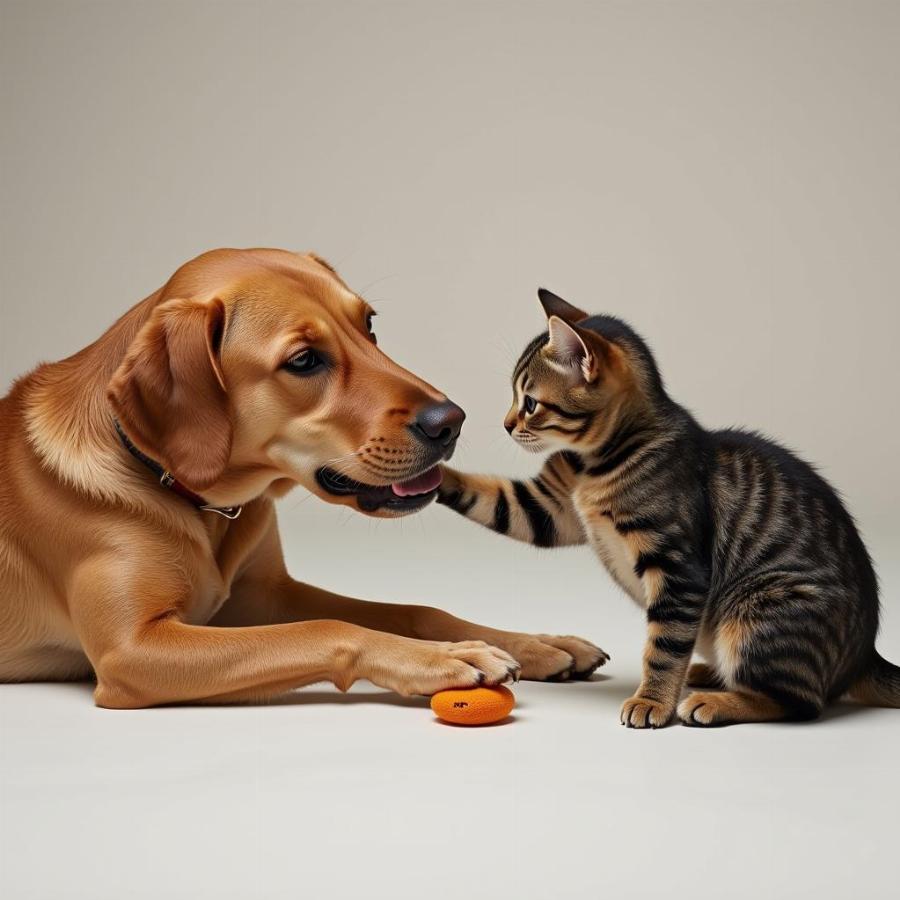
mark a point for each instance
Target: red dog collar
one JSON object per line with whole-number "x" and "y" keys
{"x": 168, "y": 480}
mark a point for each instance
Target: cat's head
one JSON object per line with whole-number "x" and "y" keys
{"x": 575, "y": 381}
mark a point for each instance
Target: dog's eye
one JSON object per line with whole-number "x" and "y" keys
{"x": 530, "y": 404}
{"x": 303, "y": 362}
{"x": 369, "y": 317}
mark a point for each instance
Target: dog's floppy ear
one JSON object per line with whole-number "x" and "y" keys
{"x": 169, "y": 394}
{"x": 556, "y": 306}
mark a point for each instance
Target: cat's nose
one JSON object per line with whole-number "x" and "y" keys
{"x": 509, "y": 427}
{"x": 439, "y": 423}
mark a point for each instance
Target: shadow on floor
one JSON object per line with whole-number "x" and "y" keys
{"x": 313, "y": 697}
{"x": 307, "y": 697}
{"x": 597, "y": 676}
{"x": 841, "y": 710}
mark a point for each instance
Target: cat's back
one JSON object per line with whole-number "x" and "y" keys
{"x": 772, "y": 511}
{"x": 747, "y": 466}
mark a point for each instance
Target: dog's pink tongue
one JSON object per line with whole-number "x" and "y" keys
{"x": 421, "y": 484}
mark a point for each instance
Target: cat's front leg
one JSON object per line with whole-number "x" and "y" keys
{"x": 537, "y": 510}
{"x": 676, "y": 603}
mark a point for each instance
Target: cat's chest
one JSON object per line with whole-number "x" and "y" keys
{"x": 617, "y": 553}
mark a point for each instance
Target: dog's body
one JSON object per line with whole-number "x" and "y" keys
{"x": 250, "y": 372}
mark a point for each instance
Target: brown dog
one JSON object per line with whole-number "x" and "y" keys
{"x": 250, "y": 372}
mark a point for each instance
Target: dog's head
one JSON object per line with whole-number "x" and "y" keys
{"x": 258, "y": 370}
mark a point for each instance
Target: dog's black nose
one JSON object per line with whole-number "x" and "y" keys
{"x": 440, "y": 422}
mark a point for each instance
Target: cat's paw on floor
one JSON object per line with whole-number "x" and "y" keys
{"x": 640, "y": 712}
{"x": 710, "y": 708}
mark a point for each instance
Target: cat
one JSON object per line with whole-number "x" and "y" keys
{"x": 735, "y": 547}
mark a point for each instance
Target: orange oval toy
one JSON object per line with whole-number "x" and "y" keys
{"x": 476, "y": 706}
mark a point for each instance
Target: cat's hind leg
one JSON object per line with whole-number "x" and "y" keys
{"x": 769, "y": 672}
{"x": 708, "y": 708}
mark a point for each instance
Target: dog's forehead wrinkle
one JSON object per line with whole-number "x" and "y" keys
{"x": 306, "y": 330}
{"x": 262, "y": 315}
{"x": 270, "y": 292}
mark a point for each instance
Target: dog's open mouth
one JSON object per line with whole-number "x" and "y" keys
{"x": 402, "y": 496}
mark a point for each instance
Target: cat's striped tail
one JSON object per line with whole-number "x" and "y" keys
{"x": 880, "y": 686}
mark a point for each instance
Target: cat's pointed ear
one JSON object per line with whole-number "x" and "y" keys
{"x": 579, "y": 349}
{"x": 556, "y": 306}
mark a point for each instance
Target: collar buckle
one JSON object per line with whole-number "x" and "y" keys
{"x": 228, "y": 512}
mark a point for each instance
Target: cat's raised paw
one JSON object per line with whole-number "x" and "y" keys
{"x": 640, "y": 712}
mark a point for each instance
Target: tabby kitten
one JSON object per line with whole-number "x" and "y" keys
{"x": 734, "y": 546}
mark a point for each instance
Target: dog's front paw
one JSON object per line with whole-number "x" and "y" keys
{"x": 410, "y": 667}
{"x": 550, "y": 657}
{"x": 641, "y": 712}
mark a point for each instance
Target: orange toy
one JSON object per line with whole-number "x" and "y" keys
{"x": 476, "y": 706}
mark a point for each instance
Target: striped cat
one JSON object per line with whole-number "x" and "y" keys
{"x": 735, "y": 547}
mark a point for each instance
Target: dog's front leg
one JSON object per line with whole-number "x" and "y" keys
{"x": 172, "y": 662}
{"x": 542, "y": 657}
{"x": 143, "y": 654}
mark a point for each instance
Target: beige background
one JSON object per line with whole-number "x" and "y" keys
{"x": 723, "y": 175}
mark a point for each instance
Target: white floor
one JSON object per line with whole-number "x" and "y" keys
{"x": 365, "y": 795}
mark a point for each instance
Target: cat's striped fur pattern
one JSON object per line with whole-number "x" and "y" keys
{"x": 735, "y": 547}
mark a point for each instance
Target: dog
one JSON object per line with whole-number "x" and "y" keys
{"x": 138, "y": 536}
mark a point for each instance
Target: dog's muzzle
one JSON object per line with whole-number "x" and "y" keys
{"x": 401, "y": 496}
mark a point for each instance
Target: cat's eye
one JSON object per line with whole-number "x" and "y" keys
{"x": 530, "y": 403}
{"x": 304, "y": 362}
